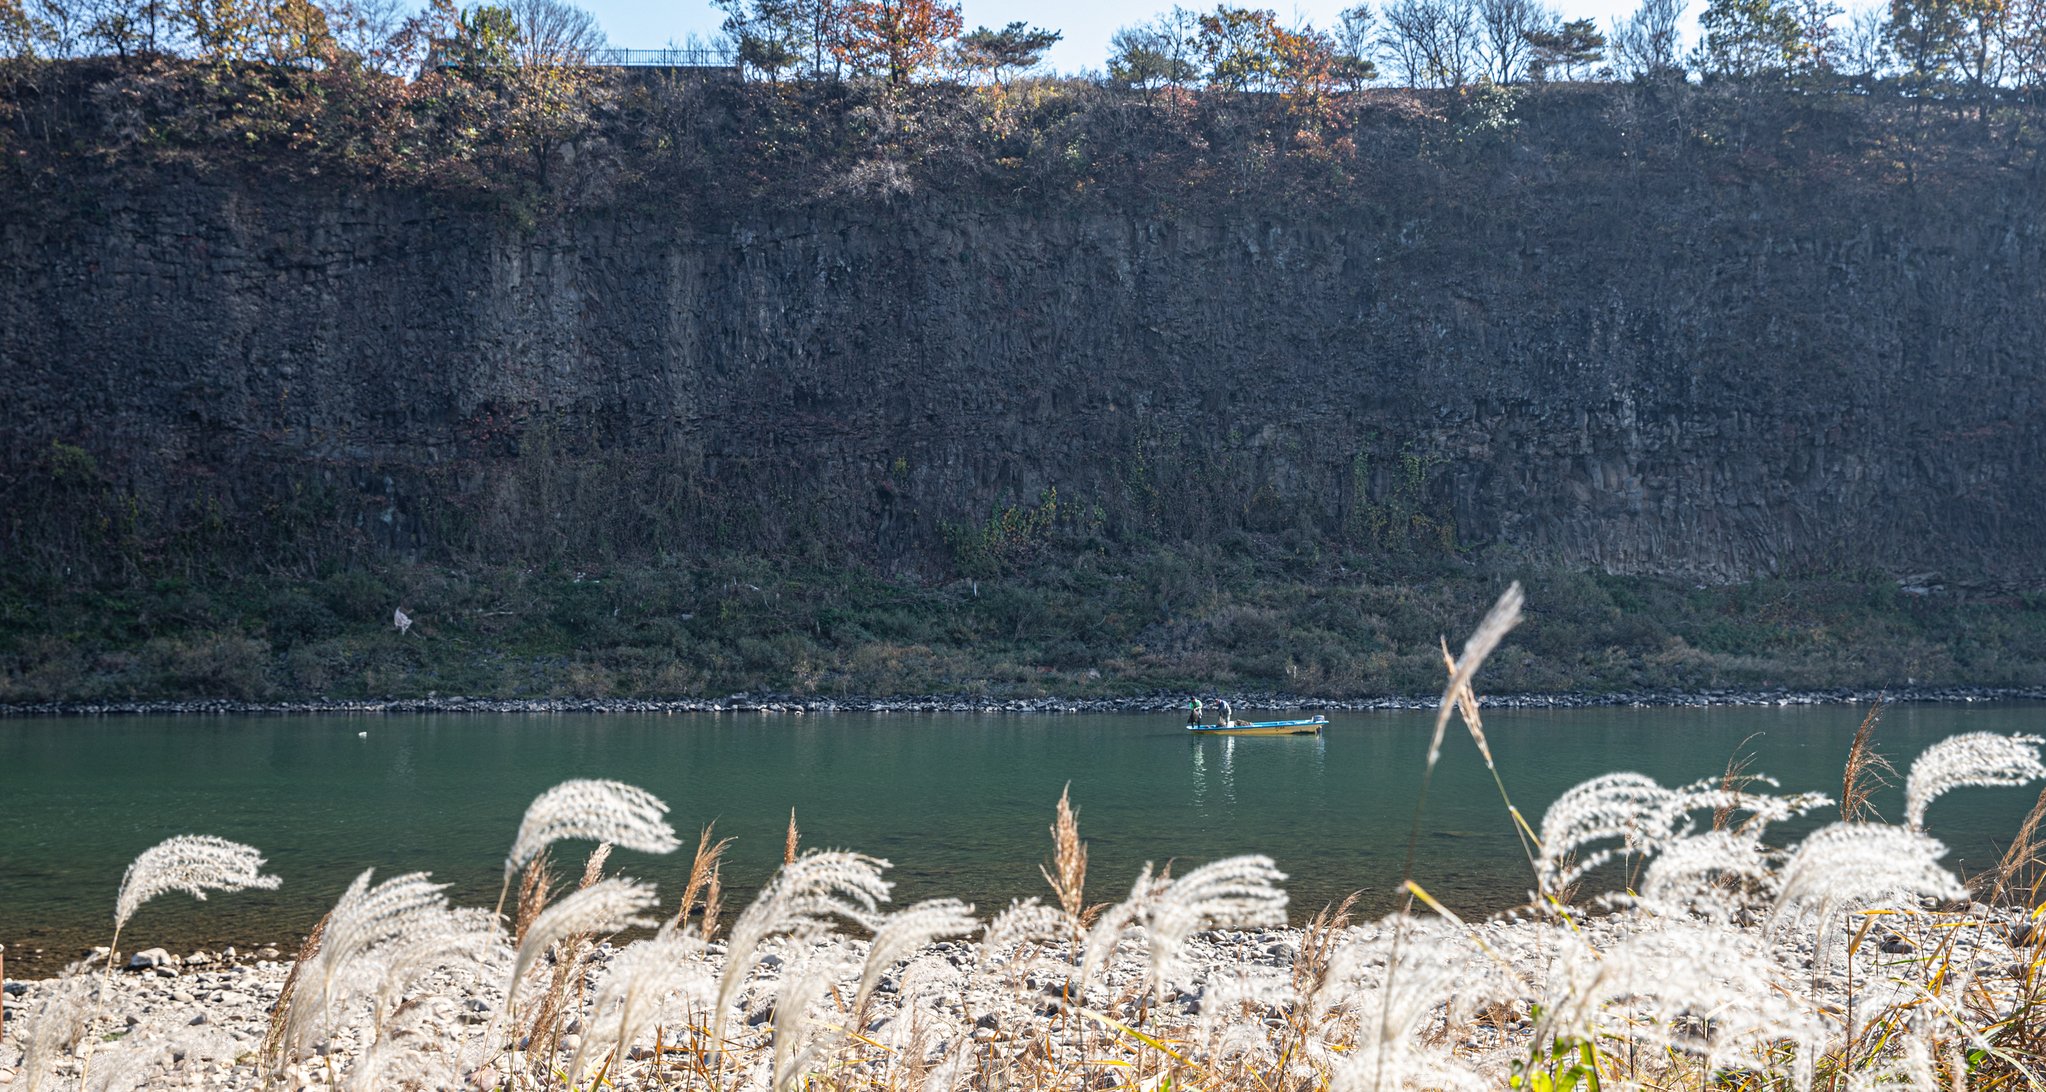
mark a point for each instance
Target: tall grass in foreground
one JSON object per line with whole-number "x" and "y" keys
{"x": 1851, "y": 959}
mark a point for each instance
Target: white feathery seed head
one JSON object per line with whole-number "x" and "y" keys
{"x": 797, "y": 1041}
{"x": 1669, "y": 979}
{"x": 432, "y": 941}
{"x": 592, "y": 811}
{"x": 1643, "y": 816}
{"x": 342, "y": 968}
{"x": 1500, "y": 620}
{"x": 1232, "y": 892}
{"x": 606, "y": 906}
{"x": 1098, "y": 950}
{"x": 1028, "y": 922}
{"x": 1400, "y": 986}
{"x": 1692, "y": 874}
{"x": 907, "y": 930}
{"x": 1853, "y": 865}
{"x": 55, "y": 1027}
{"x": 637, "y": 981}
{"x": 193, "y": 863}
{"x": 1979, "y": 759}
{"x": 800, "y": 900}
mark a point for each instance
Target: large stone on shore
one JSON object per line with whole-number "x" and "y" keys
{"x": 150, "y": 958}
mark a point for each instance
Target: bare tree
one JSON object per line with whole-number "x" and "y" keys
{"x": 1431, "y": 43}
{"x": 1506, "y": 25}
{"x": 553, "y": 33}
{"x": 1645, "y": 44}
{"x": 1354, "y": 34}
{"x": 2024, "y": 44}
{"x": 370, "y": 31}
{"x": 1864, "y": 48}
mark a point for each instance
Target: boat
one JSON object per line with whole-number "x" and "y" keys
{"x": 1311, "y": 727}
{"x": 1230, "y": 726}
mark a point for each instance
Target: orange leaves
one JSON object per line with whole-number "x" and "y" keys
{"x": 898, "y": 37}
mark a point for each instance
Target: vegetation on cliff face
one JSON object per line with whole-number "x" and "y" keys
{"x": 1237, "y": 616}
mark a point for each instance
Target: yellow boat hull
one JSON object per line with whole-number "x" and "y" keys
{"x": 1290, "y": 728}
{"x": 1310, "y": 730}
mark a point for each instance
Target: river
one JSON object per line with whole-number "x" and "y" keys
{"x": 960, "y": 803}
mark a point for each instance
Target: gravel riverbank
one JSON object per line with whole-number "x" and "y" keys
{"x": 198, "y": 1021}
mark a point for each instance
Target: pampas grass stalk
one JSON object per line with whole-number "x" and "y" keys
{"x": 703, "y": 869}
{"x": 1979, "y": 759}
{"x": 1866, "y": 773}
{"x": 192, "y": 863}
{"x": 800, "y": 898}
{"x": 592, "y": 811}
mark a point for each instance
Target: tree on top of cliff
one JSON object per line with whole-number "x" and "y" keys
{"x": 897, "y": 38}
{"x": 1159, "y": 53}
{"x": 1749, "y": 38}
{"x": 1014, "y": 48}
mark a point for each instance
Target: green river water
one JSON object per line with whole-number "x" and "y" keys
{"x": 959, "y": 803}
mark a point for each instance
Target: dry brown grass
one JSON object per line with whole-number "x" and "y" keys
{"x": 536, "y": 889}
{"x": 272, "y": 1049}
{"x": 703, "y": 879}
{"x": 1867, "y": 771}
{"x": 1067, "y": 873}
{"x": 2022, "y": 857}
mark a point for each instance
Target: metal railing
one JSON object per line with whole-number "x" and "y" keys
{"x": 662, "y": 58}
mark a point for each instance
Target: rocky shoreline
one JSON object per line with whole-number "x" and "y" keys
{"x": 212, "y": 1009}
{"x": 1157, "y": 702}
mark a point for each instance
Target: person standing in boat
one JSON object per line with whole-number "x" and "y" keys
{"x": 1193, "y": 712}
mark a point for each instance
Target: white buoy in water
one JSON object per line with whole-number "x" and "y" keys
{"x": 362, "y": 735}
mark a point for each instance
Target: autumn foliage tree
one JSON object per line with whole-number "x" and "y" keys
{"x": 897, "y": 38}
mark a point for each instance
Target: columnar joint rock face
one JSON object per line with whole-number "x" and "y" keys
{"x": 1711, "y": 382}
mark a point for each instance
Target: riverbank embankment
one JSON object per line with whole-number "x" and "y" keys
{"x": 967, "y": 703}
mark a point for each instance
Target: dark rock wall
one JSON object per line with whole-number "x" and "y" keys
{"x": 1687, "y": 375}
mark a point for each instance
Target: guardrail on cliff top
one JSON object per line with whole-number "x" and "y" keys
{"x": 662, "y": 58}
{"x": 704, "y": 59}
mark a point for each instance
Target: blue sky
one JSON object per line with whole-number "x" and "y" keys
{"x": 648, "y": 24}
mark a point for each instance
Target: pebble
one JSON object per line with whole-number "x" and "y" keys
{"x": 148, "y": 958}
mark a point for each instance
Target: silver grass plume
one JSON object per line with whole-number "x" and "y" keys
{"x": 1422, "y": 969}
{"x": 1855, "y": 864}
{"x": 796, "y": 1043}
{"x": 1234, "y": 891}
{"x": 1500, "y": 620}
{"x": 361, "y": 921}
{"x": 902, "y": 933}
{"x": 193, "y": 863}
{"x": 592, "y": 811}
{"x": 1098, "y": 950}
{"x": 801, "y": 898}
{"x": 1969, "y": 759}
{"x": 637, "y": 981}
{"x": 1692, "y": 874}
{"x": 435, "y": 940}
{"x": 1669, "y": 977}
{"x": 606, "y": 906}
{"x": 129, "y": 1066}
{"x": 1643, "y": 816}
{"x": 56, "y": 1026}
{"x": 1233, "y": 1006}
{"x": 1024, "y": 925}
